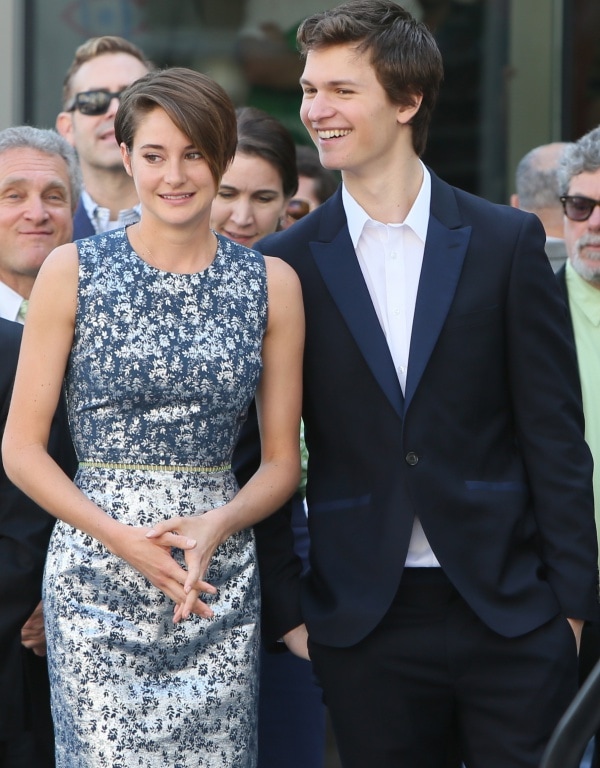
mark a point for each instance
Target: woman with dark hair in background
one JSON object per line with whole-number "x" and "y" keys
{"x": 251, "y": 202}
{"x": 257, "y": 186}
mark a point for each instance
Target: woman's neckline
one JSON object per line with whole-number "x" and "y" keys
{"x": 148, "y": 263}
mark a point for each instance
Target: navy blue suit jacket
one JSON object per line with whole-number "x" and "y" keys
{"x": 486, "y": 445}
{"x": 82, "y": 226}
{"x": 24, "y": 533}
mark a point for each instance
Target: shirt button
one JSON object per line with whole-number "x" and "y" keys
{"x": 411, "y": 458}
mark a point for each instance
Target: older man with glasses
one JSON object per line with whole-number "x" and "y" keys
{"x": 102, "y": 68}
{"x": 579, "y": 183}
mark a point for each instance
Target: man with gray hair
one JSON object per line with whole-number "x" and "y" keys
{"x": 579, "y": 186}
{"x": 39, "y": 190}
{"x": 536, "y": 186}
{"x": 40, "y": 185}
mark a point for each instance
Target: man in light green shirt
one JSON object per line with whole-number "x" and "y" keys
{"x": 579, "y": 178}
{"x": 579, "y": 184}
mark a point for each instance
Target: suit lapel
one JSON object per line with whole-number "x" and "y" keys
{"x": 341, "y": 272}
{"x": 445, "y": 251}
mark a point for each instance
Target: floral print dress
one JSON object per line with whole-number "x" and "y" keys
{"x": 162, "y": 370}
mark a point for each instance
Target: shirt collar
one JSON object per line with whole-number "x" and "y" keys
{"x": 10, "y": 302}
{"x": 586, "y": 296}
{"x": 100, "y": 217}
{"x": 417, "y": 218}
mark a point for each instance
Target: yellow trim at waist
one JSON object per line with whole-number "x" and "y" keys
{"x": 152, "y": 467}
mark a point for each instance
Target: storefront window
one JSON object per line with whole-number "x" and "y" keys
{"x": 248, "y": 46}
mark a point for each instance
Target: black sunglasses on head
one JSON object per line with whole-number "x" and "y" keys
{"x": 578, "y": 208}
{"x": 93, "y": 102}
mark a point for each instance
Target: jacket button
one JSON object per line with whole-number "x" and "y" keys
{"x": 412, "y": 458}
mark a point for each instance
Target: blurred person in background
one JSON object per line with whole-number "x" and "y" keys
{"x": 315, "y": 185}
{"x": 101, "y": 69}
{"x": 536, "y": 185}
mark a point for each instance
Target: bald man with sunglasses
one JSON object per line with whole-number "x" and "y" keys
{"x": 102, "y": 68}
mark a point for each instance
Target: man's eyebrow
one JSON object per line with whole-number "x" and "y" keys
{"x": 334, "y": 83}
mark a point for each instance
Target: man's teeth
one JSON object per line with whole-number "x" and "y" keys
{"x": 335, "y": 134}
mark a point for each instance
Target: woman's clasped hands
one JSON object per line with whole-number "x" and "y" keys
{"x": 197, "y": 537}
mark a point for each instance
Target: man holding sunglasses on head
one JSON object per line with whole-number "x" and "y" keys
{"x": 579, "y": 184}
{"x": 102, "y": 68}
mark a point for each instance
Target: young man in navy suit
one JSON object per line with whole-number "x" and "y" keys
{"x": 453, "y": 545}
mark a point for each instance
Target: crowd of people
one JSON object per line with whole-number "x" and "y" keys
{"x": 291, "y": 427}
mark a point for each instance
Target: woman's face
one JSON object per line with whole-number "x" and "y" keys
{"x": 173, "y": 180}
{"x": 250, "y": 200}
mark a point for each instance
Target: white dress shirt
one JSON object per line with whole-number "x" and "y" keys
{"x": 390, "y": 257}
{"x": 100, "y": 217}
{"x": 10, "y": 303}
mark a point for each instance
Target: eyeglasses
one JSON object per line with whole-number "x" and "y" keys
{"x": 93, "y": 102}
{"x": 297, "y": 208}
{"x": 578, "y": 208}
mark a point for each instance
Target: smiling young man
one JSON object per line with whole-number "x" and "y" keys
{"x": 102, "y": 68}
{"x": 453, "y": 547}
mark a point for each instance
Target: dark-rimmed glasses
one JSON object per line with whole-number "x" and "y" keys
{"x": 93, "y": 102}
{"x": 297, "y": 208}
{"x": 577, "y": 207}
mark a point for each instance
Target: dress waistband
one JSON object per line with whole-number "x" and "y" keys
{"x": 152, "y": 467}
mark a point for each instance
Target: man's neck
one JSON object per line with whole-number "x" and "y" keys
{"x": 387, "y": 197}
{"x": 21, "y": 284}
{"x": 110, "y": 189}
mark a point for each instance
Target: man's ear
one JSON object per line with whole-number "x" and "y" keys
{"x": 406, "y": 113}
{"x": 64, "y": 126}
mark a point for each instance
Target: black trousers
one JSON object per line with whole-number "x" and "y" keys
{"x": 433, "y": 686}
{"x": 33, "y": 745}
{"x": 589, "y": 655}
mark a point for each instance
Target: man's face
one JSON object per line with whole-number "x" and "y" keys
{"x": 93, "y": 136}
{"x": 349, "y": 116}
{"x": 583, "y": 237}
{"x": 36, "y": 213}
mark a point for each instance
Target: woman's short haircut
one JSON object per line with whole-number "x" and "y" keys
{"x": 196, "y": 104}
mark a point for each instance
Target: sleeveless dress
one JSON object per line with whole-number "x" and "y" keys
{"x": 162, "y": 371}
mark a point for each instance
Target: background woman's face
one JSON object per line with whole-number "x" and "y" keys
{"x": 250, "y": 200}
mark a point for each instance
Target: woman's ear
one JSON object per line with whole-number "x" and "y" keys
{"x": 126, "y": 157}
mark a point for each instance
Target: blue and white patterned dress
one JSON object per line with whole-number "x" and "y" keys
{"x": 162, "y": 370}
